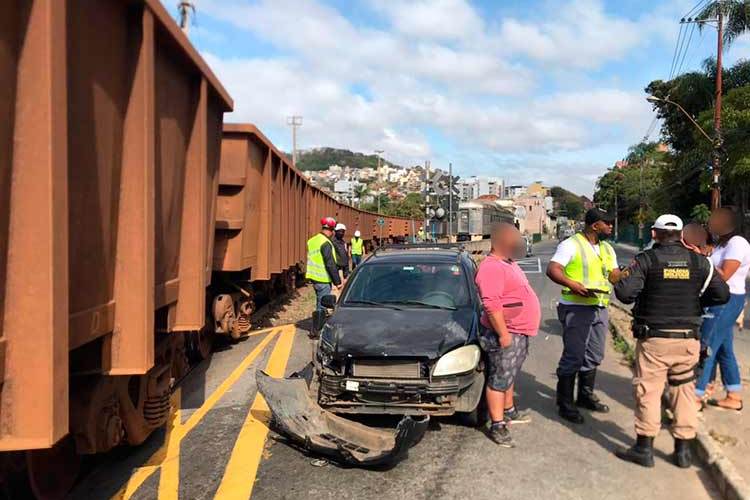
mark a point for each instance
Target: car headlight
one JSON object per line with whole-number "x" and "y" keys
{"x": 461, "y": 360}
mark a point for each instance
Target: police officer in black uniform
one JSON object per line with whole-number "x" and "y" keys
{"x": 670, "y": 285}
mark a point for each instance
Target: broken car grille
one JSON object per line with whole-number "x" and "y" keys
{"x": 382, "y": 368}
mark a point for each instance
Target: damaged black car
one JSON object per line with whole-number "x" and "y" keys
{"x": 403, "y": 338}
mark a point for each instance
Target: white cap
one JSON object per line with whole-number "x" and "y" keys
{"x": 357, "y": 234}
{"x": 669, "y": 222}
{"x": 340, "y": 227}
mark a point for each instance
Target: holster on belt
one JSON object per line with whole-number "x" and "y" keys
{"x": 642, "y": 331}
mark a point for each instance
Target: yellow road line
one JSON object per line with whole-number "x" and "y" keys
{"x": 226, "y": 385}
{"x": 156, "y": 460}
{"x": 139, "y": 476}
{"x": 239, "y": 476}
{"x": 169, "y": 481}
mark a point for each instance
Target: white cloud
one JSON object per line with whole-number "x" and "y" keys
{"x": 580, "y": 34}
{"x": 432, "y": 19}
{"x": 438, "y": 66}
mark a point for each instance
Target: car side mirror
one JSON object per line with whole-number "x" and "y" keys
{"x": 328, "y": 301}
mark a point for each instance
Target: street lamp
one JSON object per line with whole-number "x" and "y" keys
{"x": 715, "y": 142}
{"x": 654, "y": 99}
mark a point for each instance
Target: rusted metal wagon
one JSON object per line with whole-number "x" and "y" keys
{"x": 109, "y": 152}
{"x": 266, "y": 211}
{"x": 123, "y": 216}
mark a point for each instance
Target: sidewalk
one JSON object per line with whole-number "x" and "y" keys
{"x": 726, "y": 435}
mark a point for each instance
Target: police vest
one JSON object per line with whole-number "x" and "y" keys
{"x": 316, "y": 267}
{"x": 592, "y": 270}
{"x": 357, "y": 246}
{"x": 671, "y": 293}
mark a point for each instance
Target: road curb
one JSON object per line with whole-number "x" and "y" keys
{"x": 730, "y": 483}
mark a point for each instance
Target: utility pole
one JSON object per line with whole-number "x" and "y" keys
{"x": 640, "y": 207}
{"x": 617, "y": 215}
{"x": 294, "y": 122}
{"x": 450, "y": 201}
{"x": 379, "y": 152}
{"x": 716, "y": 188}
{"x": 185, "y": 7}
{"x": 717, "y": 140}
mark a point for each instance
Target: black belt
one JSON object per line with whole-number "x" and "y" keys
{"x": 643, "y": 332}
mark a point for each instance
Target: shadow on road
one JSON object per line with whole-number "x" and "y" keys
{"x": 541, "y": 398}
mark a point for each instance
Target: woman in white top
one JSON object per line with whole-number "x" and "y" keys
{"x": 731, "y": 257}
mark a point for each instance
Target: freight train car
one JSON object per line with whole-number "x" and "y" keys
{"x": 110, "y": 142}
{"x": 121, "y": 223}
{"x": 266, "y": 211}
{"x": 475, "y": 219}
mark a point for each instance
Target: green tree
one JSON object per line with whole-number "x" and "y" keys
{"x": 700, "y": 213}
{"x": 385, "y": 203}
{"x": 412, "y": 205}
{"x": 567, "y": 203}
{"x": 361, "y": 192}
{"x": 736, "y": 134}
{"x": 686, "y": 177}
{"x": 639, "y": 182}
{"x": 736, "y": 14}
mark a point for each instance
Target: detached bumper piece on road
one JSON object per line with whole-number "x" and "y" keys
{"x": 301, "y": 419}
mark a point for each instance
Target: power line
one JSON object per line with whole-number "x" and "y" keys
{"x": 683, "y": 40}
{"x": 699, "y": 6}
{"x": 677, "y": 48}
{"x": 687, "y": 47}
{"x": 697, "y": 51}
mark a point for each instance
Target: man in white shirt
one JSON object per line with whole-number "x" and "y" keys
{"x": 584, "y": 265}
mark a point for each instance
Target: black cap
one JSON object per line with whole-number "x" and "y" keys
{"x": 597, "y": 214}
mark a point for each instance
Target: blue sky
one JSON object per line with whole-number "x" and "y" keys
{"x": 527, "y": 90}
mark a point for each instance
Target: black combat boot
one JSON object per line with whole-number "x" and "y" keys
{"x": 641, "y": 453}
{"x": 586, "y": 397}
{"x": 683, "y": 456}
{"x": 566, "y": 407}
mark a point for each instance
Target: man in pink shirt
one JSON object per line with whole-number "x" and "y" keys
{"x": 511, "y": 315}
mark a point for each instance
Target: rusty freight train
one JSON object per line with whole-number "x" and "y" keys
{"x": 134, "y": 226}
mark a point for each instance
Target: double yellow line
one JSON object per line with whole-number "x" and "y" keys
{"x": 239, "y": 476}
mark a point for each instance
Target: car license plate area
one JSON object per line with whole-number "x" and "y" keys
{"x": 386, "y": 368}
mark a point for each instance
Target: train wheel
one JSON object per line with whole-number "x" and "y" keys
{"x": 200, "y": 344}
{"x": 53, "y": 472}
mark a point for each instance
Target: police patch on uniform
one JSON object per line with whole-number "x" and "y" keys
{"x": 676, "y": 274}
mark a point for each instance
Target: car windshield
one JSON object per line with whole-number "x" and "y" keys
{"x": 441, "y": 286}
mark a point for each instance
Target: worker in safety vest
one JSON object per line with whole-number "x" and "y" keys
{"x": 583, "y": 264}
{"x": 421, "y": 234}
{"x": 357, "y": 248}
{"x": 322, "y": 269}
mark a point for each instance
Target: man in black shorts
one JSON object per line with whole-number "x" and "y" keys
{"x": 511, "y": 315}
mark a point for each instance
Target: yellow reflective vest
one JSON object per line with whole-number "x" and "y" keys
{"x": 592, "y": 270}
{"x": 357, "y": 246}
{"x": 316, "y": 267}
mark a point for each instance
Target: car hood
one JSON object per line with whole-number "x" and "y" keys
{"x": 378, "y": 332}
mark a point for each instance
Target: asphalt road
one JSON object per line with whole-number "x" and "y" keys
{"x": 217, "y": 447}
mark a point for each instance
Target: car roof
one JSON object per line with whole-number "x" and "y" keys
{"x": 446, "y": 255}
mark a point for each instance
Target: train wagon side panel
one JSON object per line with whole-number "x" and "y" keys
{"x": 237, "y": 180}
{"x": 33, "y": 194}
{"x": 93, "y": 159}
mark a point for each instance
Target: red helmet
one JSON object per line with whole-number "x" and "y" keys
{"x": 328, "y": 223}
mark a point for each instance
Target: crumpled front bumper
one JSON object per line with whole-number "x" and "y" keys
{"x": 299, "y": 417}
